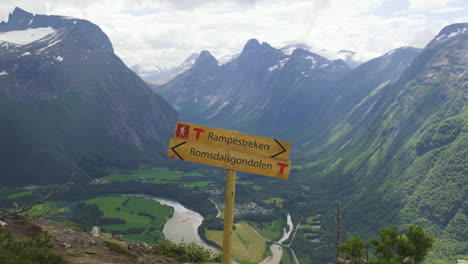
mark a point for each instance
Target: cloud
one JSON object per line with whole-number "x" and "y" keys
{"x": 429, "y": 5}
{"x": 165, "y": 32}
{"x": 448, "y": 10}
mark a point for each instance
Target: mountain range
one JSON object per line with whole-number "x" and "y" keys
{"x": 68, "y": 103}
{"x": 387, "y": 136}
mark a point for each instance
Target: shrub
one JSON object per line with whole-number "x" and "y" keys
{"x": 29, "y": 251}
{"x": 72, "y": 225}
{"x": 118, "y": 249}
{"x": 191, "y": 252}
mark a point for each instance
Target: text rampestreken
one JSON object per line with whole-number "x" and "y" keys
{"x": 240, "y": 142}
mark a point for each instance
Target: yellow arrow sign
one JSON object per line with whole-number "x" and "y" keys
{"x": 259, "y": 146}
{"x": 227, "y": 158}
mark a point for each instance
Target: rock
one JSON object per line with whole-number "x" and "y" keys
{"x": 66, "y": 245}
{"x": 90, "y": 251}
{"x": 95, "y": 231}
{"x": 3, "y": 223}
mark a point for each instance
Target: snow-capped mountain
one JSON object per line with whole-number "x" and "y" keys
{"x": 160, "y": 75}
{"x": 68, "y": 103}
{"x": 345, "y": 55}
{"x": 262, "y": 83}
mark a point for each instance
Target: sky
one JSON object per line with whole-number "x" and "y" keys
{"x": 165, "y": 32}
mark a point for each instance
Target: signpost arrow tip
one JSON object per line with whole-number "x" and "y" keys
{"x": 281, "y": 152}
{"x": 173, "y": 149}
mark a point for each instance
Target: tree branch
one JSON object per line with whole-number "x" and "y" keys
{"x": 7, "y": 213}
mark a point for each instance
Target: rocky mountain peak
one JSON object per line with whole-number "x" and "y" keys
{"x": 254, "y": 46}
{"x": 454, "y": 29}
{"x": 19, "y": 18}
{"x": 84, "y": 33}
{"x": 451, "y": 31}
{"x": 205, "y": 62}
{"x": 289, "y": 49}
{"x": 192, "y": 58}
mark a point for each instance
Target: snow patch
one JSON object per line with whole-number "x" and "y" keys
{"x": 59, "y": 58}
{"x": 228, "y": 58}
{"x": 324, "y": 65}
{"x": 440, "y": 37}
{"x": 3, "y": 73}
{"x": 23, "y": 37}
{"x": 26, "y": 53}
{"x": 211, "y": 100}
{"x": 452, "y": 34}
{"x": 459, "y": 31}
{"x": 218, "y": 109}
{"x": 344, "y": 145}
{"x": 278, "y": 66}
{"x": 48, "y": 46}
{"x": 289, "y": 51}
{"x": 311, "y": 58}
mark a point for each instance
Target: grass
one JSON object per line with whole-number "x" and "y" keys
{"x": 31, "y": 187}
{"x": 263, "y": 230}
{"x": 251, "y": 185}
{"x": 18, "y": 195}
{"x": 118, "y": 249}
{"x": 287, "y": 258}
{"x": 198, "y": 183}
{"x": 278, "y": 225}
{"x": 247, "y": 247}
{"x": 244, "y": 241}
{"x": 297, "y": 167}
{"x": 158, "y": 175}
{"x": 128, "y": 208}
{"x": 49, "y": 207}
{"x": 310, "y": 227}
{"x": 279, "y": 201}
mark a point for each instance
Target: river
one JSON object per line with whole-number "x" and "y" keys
{"x": 277, "y": 250}
{"x": 183, "y": 224}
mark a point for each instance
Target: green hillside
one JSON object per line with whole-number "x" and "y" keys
{"x": 401, "y": 156}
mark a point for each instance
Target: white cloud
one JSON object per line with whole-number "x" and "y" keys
{"x": 448, "y": 10}
{"x": 428, "y": 5}
{"x": 165, "y": 32}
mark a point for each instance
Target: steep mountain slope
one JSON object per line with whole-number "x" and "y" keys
{"x": 67, "y": 103}
{"x": 359, "y": 83}
{"x": 401, "y": 155}
{"x": 256, "y": 91}
{"x": 289, "y": 93}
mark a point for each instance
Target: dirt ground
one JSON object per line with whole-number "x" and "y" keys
{"x": 79, "y": 247}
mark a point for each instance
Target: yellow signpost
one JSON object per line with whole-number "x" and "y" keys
{"x": 234, "y": 151}
{"x": 228, "y": 139}
{"x": 228, "y": 159}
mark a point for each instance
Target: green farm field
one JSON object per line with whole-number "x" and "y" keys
{"x": 144, "y": 218}
{"x": 160, "y": 175}
{"x": 247, "y": 246}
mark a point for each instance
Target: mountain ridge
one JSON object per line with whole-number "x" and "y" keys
{"x": 77, "y": 105}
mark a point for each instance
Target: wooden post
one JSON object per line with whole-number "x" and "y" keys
{"x": 229, "y": 215}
